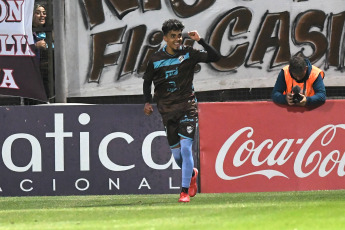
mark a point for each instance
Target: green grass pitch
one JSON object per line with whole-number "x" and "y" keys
{"x": 278, "y": 210}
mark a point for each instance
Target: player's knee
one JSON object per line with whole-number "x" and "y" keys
{"x": 176, "y": 152}
{"x": 186, "y": 146}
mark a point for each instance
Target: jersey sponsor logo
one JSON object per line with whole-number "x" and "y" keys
{"x": 170, "y": 73}
{"x": 186, "y": 119}
{"x": 171, "y": 61}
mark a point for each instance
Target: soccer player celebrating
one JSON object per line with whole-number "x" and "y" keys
{"x": 171, "y": 69}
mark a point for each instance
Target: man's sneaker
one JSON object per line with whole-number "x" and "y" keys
{"x": 193, "y": 187}
{"x": 184, "y": 197}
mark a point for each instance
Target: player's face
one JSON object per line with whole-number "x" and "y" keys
{"x": 173, "y": 40}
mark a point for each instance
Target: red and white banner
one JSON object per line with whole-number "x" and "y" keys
{"x": 19, "y": 72}
{"x": 261, "y": 146}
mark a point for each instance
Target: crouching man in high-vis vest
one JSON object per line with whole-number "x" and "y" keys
{"x": 299, "y": 77}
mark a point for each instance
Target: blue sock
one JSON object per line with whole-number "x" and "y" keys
{"x": 176, "y": 152}
{"x": 187, "y": 161}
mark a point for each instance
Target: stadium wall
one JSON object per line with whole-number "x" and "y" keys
{"x": 105, "y": 45}
{"x": 116, "y": 149}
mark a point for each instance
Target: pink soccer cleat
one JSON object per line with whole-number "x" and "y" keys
{"x": 193, "y": 187}
{"x": 184, "y": 197}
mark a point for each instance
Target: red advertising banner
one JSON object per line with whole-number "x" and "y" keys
{"x": 261, "y": 146}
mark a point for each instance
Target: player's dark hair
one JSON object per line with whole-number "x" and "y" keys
{"x": 172, "y": 24}
{"x": 297, "y": 65}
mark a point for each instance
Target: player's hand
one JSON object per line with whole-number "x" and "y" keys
{"x": 194, "y": 35}
{"x": 289, "y": 99}
{"x": 148, "y": 109}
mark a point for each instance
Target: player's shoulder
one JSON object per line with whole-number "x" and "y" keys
{"x": 159, "y": 54}
{"x": 154, "y": 58}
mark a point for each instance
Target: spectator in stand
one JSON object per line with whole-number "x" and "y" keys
{"x": 39, "y": 21}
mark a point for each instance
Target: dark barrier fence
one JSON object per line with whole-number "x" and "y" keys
{"x": 84, "y": 149}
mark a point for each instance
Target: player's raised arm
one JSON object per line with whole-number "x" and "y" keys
{"x": 213, "y": 54}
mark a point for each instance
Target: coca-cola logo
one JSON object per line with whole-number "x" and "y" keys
{"x": 306, "y": 161}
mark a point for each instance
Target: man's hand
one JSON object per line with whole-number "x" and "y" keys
{"x": 148, "y": 109}
{"x": 303, "y": 102}
{"x": 194, "y": 35}
{"x": 289, "y": 99}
